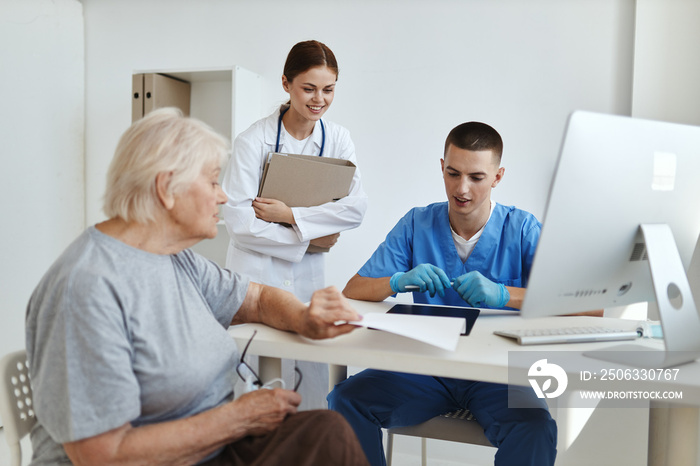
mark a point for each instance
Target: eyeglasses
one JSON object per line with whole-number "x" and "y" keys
{"x": 256, "y": 381}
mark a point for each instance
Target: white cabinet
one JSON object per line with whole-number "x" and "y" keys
{"x": 227, "y": 99}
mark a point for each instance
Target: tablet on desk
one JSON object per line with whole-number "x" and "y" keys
{"x": 468, "y": 313}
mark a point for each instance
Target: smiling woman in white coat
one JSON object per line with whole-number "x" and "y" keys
{"x": 269, "y": 240}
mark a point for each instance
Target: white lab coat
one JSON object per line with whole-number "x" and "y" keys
{"x": 275, "y": 255}
{"x": 270, "y": 253}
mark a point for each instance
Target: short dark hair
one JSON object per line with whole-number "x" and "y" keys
{"x": 306, "y": 55}
{"x": 475, "y": 136}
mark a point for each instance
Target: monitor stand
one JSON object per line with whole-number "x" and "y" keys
{"x": 679, "y": 317}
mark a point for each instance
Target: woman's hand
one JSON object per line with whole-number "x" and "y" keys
{"x": 272, "y": 210}
{"x": 186, "y": 441}
{"x": 263, "y": 410}
{"x": 282, "y": 310}
{"x": 327, "y": 307}
{"x": 325, "y": 241}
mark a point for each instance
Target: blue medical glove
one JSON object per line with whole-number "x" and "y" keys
{"x": 426, "y": 277}
{"x": 479, "y": 291}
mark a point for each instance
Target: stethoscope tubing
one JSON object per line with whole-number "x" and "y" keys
{"x": 279, "y": 130}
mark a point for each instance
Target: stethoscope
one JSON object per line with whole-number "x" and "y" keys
{"x": 279, "y": 129}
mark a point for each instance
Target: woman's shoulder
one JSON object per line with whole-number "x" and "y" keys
{"x": 77, "y": 256}
{"x": 257, "y": 131}
{"x": 337, "y": 130}
{"x": 337, "y": 139}
{"x": 95, "y": 257}
{"x": 79, "y": 269}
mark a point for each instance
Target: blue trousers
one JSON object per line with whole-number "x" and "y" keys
{"x": 372, "y": 400}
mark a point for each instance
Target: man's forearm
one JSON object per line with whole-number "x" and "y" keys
{"x": 368, "y": 289}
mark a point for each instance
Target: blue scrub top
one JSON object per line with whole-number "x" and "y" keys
{"x": 503, "y": 253}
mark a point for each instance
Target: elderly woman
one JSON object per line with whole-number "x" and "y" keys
{"x": 126, "y": 333}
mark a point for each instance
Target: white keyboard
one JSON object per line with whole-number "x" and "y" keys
{"x": 546, "y": 336}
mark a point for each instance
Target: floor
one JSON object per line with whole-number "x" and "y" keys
{"x": 440, "y": 453}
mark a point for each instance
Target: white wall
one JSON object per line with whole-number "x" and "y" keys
{"x": 409, "y": 72}
{"x": 667, "y": 61}
{"x": 41, "y": 129}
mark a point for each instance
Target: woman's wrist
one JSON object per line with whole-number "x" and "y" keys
{"x": 290, "y": 216}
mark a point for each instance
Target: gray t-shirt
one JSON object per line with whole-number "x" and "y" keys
{"x": 116, "y": 334}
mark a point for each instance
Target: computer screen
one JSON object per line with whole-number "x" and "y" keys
{"x": 615, "y": 174}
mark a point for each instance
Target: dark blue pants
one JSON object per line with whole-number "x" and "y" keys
{"x": 372, "y": 400}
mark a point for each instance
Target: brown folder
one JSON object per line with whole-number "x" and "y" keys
{"x": 305, "y": 181}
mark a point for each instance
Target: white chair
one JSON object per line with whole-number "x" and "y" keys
{"x": 456, "y": 426}
{"x": 16, "y": 406}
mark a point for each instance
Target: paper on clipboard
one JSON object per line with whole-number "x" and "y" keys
{"x": 443, "y": 332}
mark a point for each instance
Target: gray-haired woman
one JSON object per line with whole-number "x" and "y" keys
{"x": 126, "y": 333}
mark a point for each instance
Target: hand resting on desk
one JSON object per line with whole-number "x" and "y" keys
{"x": 282, "y": 310}
{"x": 327, "y": 307}
{"x": 478, "y": 290}
{"x": 378, "y": 289}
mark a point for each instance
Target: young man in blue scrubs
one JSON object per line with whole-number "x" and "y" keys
{"x": 486, "y": 250}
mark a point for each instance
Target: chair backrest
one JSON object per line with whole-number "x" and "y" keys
{"x": 16, "y": 404}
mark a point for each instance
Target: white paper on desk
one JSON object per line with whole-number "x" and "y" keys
{"x": 439, "y": 331}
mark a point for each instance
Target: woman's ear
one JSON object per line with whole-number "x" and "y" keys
{"x": 285, "y": 84}
{"x": 163, "y": 191}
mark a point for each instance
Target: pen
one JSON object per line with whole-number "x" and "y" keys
{"x": 417, "y": 288}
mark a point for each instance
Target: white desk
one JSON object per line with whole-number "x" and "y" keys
{"x": 479, "y": 356}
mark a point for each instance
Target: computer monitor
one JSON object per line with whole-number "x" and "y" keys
{"x": 621, "y": 224}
